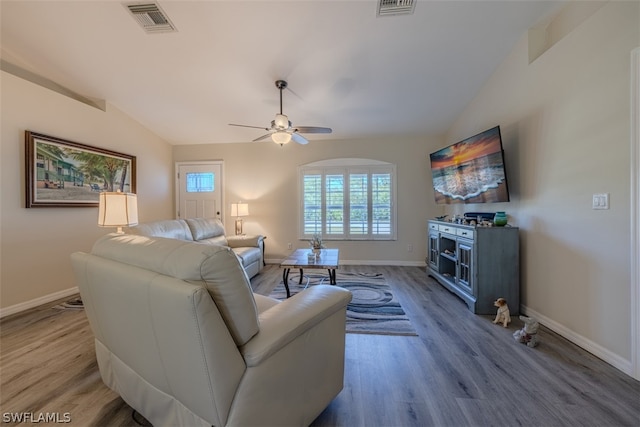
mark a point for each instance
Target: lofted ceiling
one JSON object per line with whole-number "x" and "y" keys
{"x": 347, "y": 69}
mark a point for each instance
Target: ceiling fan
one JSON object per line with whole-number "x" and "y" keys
{"x": 281, "y": 131}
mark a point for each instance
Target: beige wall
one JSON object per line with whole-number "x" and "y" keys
{"x": 36, "y": 243}
{"x": 565, "y": 120}
{"x": 265, "y": 176}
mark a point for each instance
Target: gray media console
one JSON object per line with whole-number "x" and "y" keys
{"x": 478, "y": 264}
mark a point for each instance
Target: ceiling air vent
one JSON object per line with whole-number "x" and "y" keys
{"x": 396, "y": 7}
{"x": 151, "y": 18}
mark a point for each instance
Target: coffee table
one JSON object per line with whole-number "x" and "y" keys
{"x": 299, "y": 259}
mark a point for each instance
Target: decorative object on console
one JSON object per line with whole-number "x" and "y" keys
{"x": 479, "y": 217}
{"x": 500, "y": 219}
{"x": 529, "y": 333}
{"x": 239, "y": 210}
{"x": 116, "y": 209}
{"x": 502, "y": 316}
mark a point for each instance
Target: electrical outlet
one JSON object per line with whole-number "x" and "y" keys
{"x": 289, "y": 246}
{"x": 409, "y": 247}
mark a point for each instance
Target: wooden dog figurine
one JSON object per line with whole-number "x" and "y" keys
{"x": 503, "y": 316}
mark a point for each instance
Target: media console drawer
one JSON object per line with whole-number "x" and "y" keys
{"x": 463, "y": 232}
{"x": 447, "y": 229}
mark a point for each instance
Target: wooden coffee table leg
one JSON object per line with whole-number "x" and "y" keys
{"x": 301, "y": 274}
{"x": 285, "y": 280}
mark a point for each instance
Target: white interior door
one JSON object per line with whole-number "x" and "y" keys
{"x": 199, "y": 190}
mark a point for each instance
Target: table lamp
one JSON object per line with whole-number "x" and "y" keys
{"x": 239, "y": 210}
{"x": 117, "y": 209}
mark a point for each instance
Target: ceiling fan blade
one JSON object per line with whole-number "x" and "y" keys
{"x": 312, "y": 129}
{"x": 262, "y": 137}
{"x": 299, "y": 138}
{"x": 247, "y": 126}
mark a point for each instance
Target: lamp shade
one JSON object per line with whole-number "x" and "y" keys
{"x": 239, "y": 209}
{"x": 117, "y": 210}
{"x": 281, "y": 137}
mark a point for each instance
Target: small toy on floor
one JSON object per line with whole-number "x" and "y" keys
{"x": 503, "y": 316}
{"x": 529, "y": 333}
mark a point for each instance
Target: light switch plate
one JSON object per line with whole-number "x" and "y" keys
{"x": 600, "y": 201}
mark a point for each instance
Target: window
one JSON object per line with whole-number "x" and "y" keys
{"x": 348, "y": 199}
{"x": 200, "y": 182}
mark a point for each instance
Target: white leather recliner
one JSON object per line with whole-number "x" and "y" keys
{"x": 181, "y": 337}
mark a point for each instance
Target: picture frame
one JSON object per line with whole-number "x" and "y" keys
{"x": 62, "y": 173}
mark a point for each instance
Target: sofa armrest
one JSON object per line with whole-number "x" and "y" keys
{"x": 282, "y": 323}
{"x": 245, "y": 241}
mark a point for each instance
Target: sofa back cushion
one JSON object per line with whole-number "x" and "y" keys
{"x": 171, "y": 228}
{"x": 215, "y": 267}
{"x": 210, "y": 230}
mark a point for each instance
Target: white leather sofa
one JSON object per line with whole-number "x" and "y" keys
{"x": 250, "y": 249}
{"x": 181, "y": 337}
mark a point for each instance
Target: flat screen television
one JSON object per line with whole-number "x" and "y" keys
{"x": 471, "y": 171}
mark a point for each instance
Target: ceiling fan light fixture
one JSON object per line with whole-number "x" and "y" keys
{"x": 281, "y": 137}
{"x": 281, "y": 121}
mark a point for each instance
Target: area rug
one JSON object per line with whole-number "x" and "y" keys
{"x": 72, "y": 304}
{"x": 373, "y": 309}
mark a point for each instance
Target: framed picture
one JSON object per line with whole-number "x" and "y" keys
{"x": 62, "y": 173}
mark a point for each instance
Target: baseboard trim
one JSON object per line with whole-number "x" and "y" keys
{"x": 597, "y": 350}
{"x": 17, "y": 308}
{"x": 363, "y": 262}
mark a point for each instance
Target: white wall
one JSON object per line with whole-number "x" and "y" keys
{"x": 36, "y": 243}
{"x": 565, "y": 120}
{"x": 265, "y": 176}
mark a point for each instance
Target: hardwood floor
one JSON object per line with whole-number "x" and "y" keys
{"x": 462, "y": 370}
